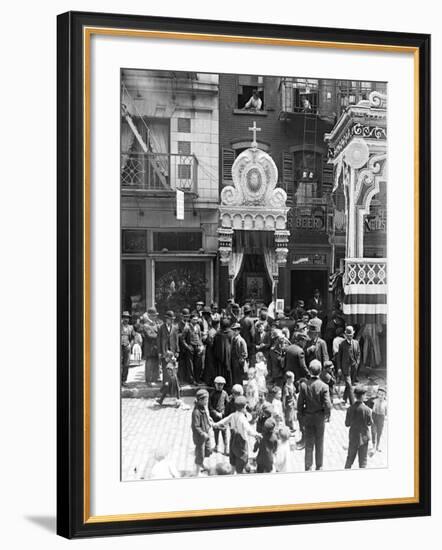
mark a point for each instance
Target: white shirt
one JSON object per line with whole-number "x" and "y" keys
{"x": 254, "y": 103}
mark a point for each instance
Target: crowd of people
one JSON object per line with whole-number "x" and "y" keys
{"x": 263, "y": 378}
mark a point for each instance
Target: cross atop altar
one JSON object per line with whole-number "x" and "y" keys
{"x": 254, "y": 129}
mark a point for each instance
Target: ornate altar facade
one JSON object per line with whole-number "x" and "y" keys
{"x": 253, "y": 218}
{"x": 358, "y": 151}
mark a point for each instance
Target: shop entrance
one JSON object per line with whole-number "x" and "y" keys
{"x": 253, "y": 286}
{"x": 304, "y": 282}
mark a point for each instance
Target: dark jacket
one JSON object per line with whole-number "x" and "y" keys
{"x": 348, "y": 356}
{"x": 295, "y": 362}
{"x": 316, "y": 350}
{"x": 359, "y": 420}
{"x": 200, "y": 425}
{"x": 217, "y": 404}
{"x": 168, "y": 339}
{"x": 248, "y": 332}
{"x": 314, "y": 397}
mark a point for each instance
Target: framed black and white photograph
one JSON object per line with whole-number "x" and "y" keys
{"x": 243, "y": 274}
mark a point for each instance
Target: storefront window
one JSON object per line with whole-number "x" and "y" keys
{"x": 179, "y": 284}
{"x": 133, "y": 287}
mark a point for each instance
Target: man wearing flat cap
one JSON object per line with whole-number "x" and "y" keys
{"x": 201, "y": 424}
{"x": 359, "y": 420}
{"x": 168, "y": 337}
{"x": 150, "y": 329}
{"x": 314, "y": 408}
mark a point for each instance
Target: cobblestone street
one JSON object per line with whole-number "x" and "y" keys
{"x": 147, "y": 426}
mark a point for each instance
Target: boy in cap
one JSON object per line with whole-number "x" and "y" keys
{"x": 328, "y": 377}
{"x": 201, "y": 424}
{"x": 171, "y": 385}
{"x": 217, "y": 408}
{"x": 240, "y": 431}
{"x": 359, "y": 420}
{"x": 266, "y": 447}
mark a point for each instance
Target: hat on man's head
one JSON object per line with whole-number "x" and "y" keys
{"x": 247, "y": 308}
{"x": 185, "y": 311}
{"x": 200, "y": 303}
{"x": 170, "y": 314}
{"x": 200, "y": 394}
{"x": 235, "y": 326}
{"x": 207, "y": 309}
{"x": 359, "y": 390}
{"x": 349, "y": 330}
{"x": 314, "y": 312}
{"x": 301, "y": 303}
{"x": 152, "y": 311}
{"x": 125, "y": 314}
{"x": 328, "y": 364}
{"x": 220, "y": 380}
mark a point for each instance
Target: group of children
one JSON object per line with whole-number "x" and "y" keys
{"x": 252, "y": 425}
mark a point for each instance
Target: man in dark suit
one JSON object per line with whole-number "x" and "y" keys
{"x": 314, "y": 407}
{"x": 316, "y": 347}
{"x": 295, "y": 358}
{"x": 248, "y": 333}
{"x": 295, "y": 362}
{"x": 359, "y": 420}
{"x": 347, "y": 361}
{"x": 168, "y": 337}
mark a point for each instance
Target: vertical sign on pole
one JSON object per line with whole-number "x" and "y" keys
{"x": 179, "y": 204}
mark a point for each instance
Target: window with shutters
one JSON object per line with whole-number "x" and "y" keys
{"x": 228, "y": 158}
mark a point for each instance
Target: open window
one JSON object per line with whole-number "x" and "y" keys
{"x": 306, "y": 95}
{"x": 251, "y": 93}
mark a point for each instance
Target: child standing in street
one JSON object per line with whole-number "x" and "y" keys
{"x": 240, "y": 431}
{"x": 282, "y": 458}
{"x": 171, "y": 385}
{"x": 251, "y": 390}
{"x": 217, "y": 408}
{"x": 379, "y": 413}
{"x": 261, "y": 371}
{"x": 278, "y": 413}
{"x": 267, "y": 447}
{"x": 201, "y": 424}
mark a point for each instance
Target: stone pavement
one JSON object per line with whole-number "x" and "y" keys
{"x": 147, "y": 426}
